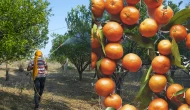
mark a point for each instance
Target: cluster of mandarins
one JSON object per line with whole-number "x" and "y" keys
{"x": 158, "y": 81}
{"x": 113, "y": 33}
{"x": 159, "y": 15}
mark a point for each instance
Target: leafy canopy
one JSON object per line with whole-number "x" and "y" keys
{"x": 23, "y": 27}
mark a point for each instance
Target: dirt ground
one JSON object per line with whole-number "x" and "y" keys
{"x": 63, "y": 91}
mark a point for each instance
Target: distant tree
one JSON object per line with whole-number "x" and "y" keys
{"x": 187, "y": 5}
{"x": 77, "y": 47}
{"x": 175, "y": 7}
{"x": 78, "y": 52}
{"x": 79, "y": 21}
{"x": 57, "y": 52}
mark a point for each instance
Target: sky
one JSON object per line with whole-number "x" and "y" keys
{"x": 57, "y": 23}
{"x": 185, "y": 2}
{"x": 60, "y": 8}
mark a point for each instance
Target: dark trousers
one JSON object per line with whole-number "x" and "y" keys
{"x": 39, "y": 88}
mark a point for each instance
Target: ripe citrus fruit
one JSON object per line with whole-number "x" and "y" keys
{"x": 161, "y": 64}
{"x": 184, "y": 107}
{"x": 114, "y": 6}
{"x": 164, "y": 47}
{"x": 97, "y": 8}
{"x": 128, "y": 107}
{"x": 107, "y": 66}
{"x": 162, "y": 15}
{"x": 132, "y": 62}
{"x": 113, "y": 100}
{"x": 93, "y": 57}
{"x": 187, "y": 41}
{"x": 172, "y": 89}
{"x": 158, "y": 104}
{"x": 113, "y": 31}
{"x": 130, "y": 15}
{"x": 114, "y": 50}
{"x": 187, "y": 96}
{"x": 93, "y": 65}
{"x": 157, "y": 83}
{"x": 95, "y": 43}
{"x": 148, "y": 27}
{"x": 132, "y": 2}
{"x": 104, "y": 87}
{"x": 153, "y": 3}
{"x": 178, "y": 32}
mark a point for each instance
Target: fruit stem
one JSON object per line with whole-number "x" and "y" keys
{"x": 112, "y": 3}
{"x": 157, "y": 0}
{"x": 163, "y": 13}
{"x": 127, "y": 14}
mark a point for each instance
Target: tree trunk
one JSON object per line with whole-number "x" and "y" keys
{"x": 101, "y": 99}
{"x": 80, "y": 73}
{"x": 119, "y": 86}
{"x": 172, "y": 70}
{"x": 119, "y": 79}
{"x": 172, "y": 73}
{"x": 21, "y": 68}
{"x": 89, "y": 67}
{"x": 7, "y": 73}
{"x": 80, "y": 76}
{"x": 65, "y": 66}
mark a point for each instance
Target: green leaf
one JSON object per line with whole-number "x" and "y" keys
{"x": 110, "y": 108}
{"x": 144, "y": 42}
{"x": 176, "y": 54}
{"x": 144, "y": 75}
{"x": 179, "y": 18}
{"x": 98, "y": 64}
{"x": 148, "y": 73}
{"x": 94, "y": 28}
{"x": 141, "y": 89}
{"x": 144, "y": 96}
{"x": 98, "y": 72}
{"x": 151, "y": 53}
{"x": 101, "y": 34}
{"x": 144, "y": 83}
{"x": 180, "y": 92}
{"x": 169, "y": 79}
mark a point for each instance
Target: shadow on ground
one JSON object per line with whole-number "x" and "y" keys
{"x": 67, "y": 84}
{"x": 23, "y": 102}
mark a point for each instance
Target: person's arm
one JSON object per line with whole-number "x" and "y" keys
{"x": 45, "y": 64}
{"x": 30, "y": 67}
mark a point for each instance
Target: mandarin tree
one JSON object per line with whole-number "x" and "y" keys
{"x": 77, "y": 51}
{"x": 157, "y": 28}
{"x": 75, "y": 44}
{"x": 56, "y": 42}
{"x": 23, "y": 28}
